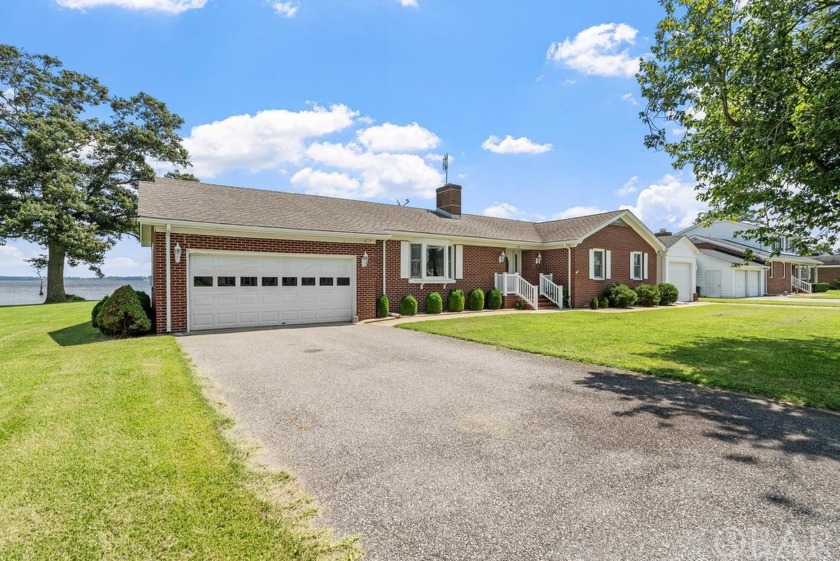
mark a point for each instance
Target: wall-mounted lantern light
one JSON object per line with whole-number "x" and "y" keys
{"x": 177, "y": 251}
{"x": 539, "y": 258}
{"x": 365, "y": 259}
{"x": 502, "y": 256}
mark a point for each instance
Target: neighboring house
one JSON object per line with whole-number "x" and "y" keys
{"x": 234, "y": 257}
{"x": 828, "y": 270}
{"x": 680, "y": 267}
{"x": 723, "y": 271}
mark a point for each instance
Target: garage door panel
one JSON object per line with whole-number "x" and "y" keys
{"x": 680, "y": 276}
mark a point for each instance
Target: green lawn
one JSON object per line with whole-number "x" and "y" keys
{"x": 779, "y": 301}
{"x": 830, "y": 295}
{"x": 108, "y": 450}
{"x": 784, "y": 353}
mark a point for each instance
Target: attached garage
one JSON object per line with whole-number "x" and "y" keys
{"x": 680, "y": 276}
{"x": 231, "y": 291}
{"x": 680, "y": 266}
{"x": 721, "y": 274}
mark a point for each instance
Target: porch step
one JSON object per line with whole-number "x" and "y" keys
{"x": 546, "y": 304}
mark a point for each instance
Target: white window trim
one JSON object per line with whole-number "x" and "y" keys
{"x": 605, "y": 272}
{"x": 772, "y": 263}
{"x": 633, "y": 255}
{"x": 449, "y": 276}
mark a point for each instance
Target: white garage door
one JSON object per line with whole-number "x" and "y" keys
{"x": 740, "y": 284}
{"x": 752, "y": 283}
{"x": 250, "y": 291}
{"x": 679, "y": 274}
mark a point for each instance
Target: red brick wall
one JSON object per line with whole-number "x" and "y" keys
{"x": 781, "y": 278}
{"x": 621, "y": 240}
{"x": 368, "y": 279}
{"x": 480, "y": 266}
{"x": 829, "y": 275}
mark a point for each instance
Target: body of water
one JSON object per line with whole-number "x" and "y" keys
{"x": 26, "y": 291}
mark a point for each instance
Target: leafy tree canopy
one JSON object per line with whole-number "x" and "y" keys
{"x": 71, "y": 155}
{"x": 754, "y": 89}
{"x": 183, "y": 176}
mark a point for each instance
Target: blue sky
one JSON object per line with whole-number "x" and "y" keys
{"x": 535, "y": 101}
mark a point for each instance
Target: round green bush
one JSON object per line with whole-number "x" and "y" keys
{"x": 96, "y": 309}
{"x": 621, "y": 296}
{"x": 494, "y": 299}
{"x": 475, "y": 300}
{"x": 594, "y": 304}
{"x": 456, "y": 300}
{"x": 146, "y": 304}
{"x": 668, "y": 293}
{"x": 819, "y": 287}
{"x": 648, "y": 295}
{"x": 434, "y": 303}
{"x": 408, "y": 305}
{"x": 123, "y": 315}
{"x": 604, "y": 303}
{"x": 383, "y": 306}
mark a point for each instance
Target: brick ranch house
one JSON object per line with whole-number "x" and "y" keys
{"x": 233, "y": 257}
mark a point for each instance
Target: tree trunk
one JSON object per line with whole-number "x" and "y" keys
{"x": 55, "y": 274}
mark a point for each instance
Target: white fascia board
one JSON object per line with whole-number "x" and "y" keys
{"x": 467, "y": 240}
{"x": 635, "y": 224}
{"x": 236, "y": 231}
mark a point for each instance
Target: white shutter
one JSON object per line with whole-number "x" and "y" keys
{"x": 459, "y": 261}
{"x": 405, "y": 260}
{"x": 645, "y": 265}
{"x": 608, "y": 274}
{"x": 591, "y": 263}
{"x": 632, "y": 263}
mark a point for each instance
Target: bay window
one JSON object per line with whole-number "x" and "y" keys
{"x": 427, "y": 261}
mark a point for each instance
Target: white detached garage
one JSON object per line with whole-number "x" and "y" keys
{"x": 680, "y": 266}
{"x": 721, "y": 275}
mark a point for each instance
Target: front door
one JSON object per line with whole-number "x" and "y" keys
{"x": 514, "y": 258}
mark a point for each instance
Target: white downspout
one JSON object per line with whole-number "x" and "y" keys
{"x": 569, "y": 274}
{"x": 168, "y": 283}
{"x": 384, "y": 273}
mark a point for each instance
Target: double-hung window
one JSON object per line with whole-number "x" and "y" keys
{"x": 430, "y": 261}
{"x": 598, "y": 263}
{"x": 638, "y": 265}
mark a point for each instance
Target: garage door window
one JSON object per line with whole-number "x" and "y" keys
{"x": 202, "y": 281}
{"x": 289, "y": 281}
{"x": 269, "y": 281}
{"x": 226, "y": 281}
{"x": 343, "y": 281}
{"x": 326, "y": 281}
{"x": 247, "y": 281}
{"x": 307, "y": 281}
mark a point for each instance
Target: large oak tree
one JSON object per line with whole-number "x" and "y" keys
{"x": 747, "y": 94}
{"x": 71, "y": 155}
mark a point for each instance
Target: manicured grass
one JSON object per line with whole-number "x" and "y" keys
{"x": 108, "y": 450}
{"x": 778, "y": 301}
{"x": 784, "y": 353}
{"x": 832, "y": 294}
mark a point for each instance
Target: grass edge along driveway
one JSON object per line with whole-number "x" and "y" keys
{"x": 783, "y": 353}
{"x": 110, "y": 450}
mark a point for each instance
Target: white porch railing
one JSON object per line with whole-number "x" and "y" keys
{"x": 800, "y": 285}
{"x": 553, "y": 292}
{"x": 512, "y": 284}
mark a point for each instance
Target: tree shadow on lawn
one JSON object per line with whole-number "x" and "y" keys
{"x": 740, "y": 417}
{"x": 80, "y": 334}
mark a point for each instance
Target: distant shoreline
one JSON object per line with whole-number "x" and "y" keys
{"x": 9, "y": 278}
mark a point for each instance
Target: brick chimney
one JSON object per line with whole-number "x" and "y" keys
{"x": 663, "y": 232}
{"x": 449, "y": 200}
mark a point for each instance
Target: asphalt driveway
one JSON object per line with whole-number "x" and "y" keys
{"x": 433, "y": 448}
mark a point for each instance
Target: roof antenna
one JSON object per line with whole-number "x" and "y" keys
{"x": 446, "y": 168}
{"x": 402, "y": 204}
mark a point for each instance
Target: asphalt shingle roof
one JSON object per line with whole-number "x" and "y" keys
{"x": 726, "y": 258}
{"x": 828, "y": 259}
{"x": 171, "y": 199}
{"x": 668, "y": 241}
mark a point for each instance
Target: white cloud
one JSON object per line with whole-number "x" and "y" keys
{"x": 10, "y": 255}
{"x": 398, "y": 138}
{"x": 409, "y": 3}
{"x": 596, "y": 51}
{"x": 510, "y": 145}
{"x": 629, "y": 98}
{"x": 501, "y": 210}
{"x": 285, "y": 9}
{"x": 167, "y": 6}
{"x": 329, "y": 184}
{"x": 262, "y": 141}
{"x": 122, "y": 266}
{"x": 668, "y": 202}
{"x": 629, "y": 187}
{"x": 576, "y": 211}
{"x": 383, "y": 175}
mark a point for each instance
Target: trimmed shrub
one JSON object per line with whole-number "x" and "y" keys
{"x": 475, "y": 300}
{"x": 456, "y": 300}
{"x": 604, "y": 303}
{"x": 837, "y": 283}
{"x": 621, "y": 296}
{"x": 566, "y": 302}
{"x": 819, "y": 287}
{"x": 594, "y": 304}
{"x": 648, "y": 295}
{"x": 96, "y": 309}
{"x": 434, "y": 303}
{"x": 146, "y": 304}
{"x": 494, "y": 299}
{"x": 668, "y": 293}
{"x": 408, "y": 305}
{"x": 123, "y": 315}
{"x": 520, "y": 304}
{"x": 383, "y": 306}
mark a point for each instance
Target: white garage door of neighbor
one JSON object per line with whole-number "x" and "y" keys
{"x": 254, "y": 291}
{"x": 680, "y": 276}
{"x": 740, "y": 284}
{"x": 752, "y": 283}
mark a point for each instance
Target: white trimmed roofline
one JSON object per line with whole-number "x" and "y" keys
{"x": 758, "y": 252}
{"x": 637, "y": 225}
